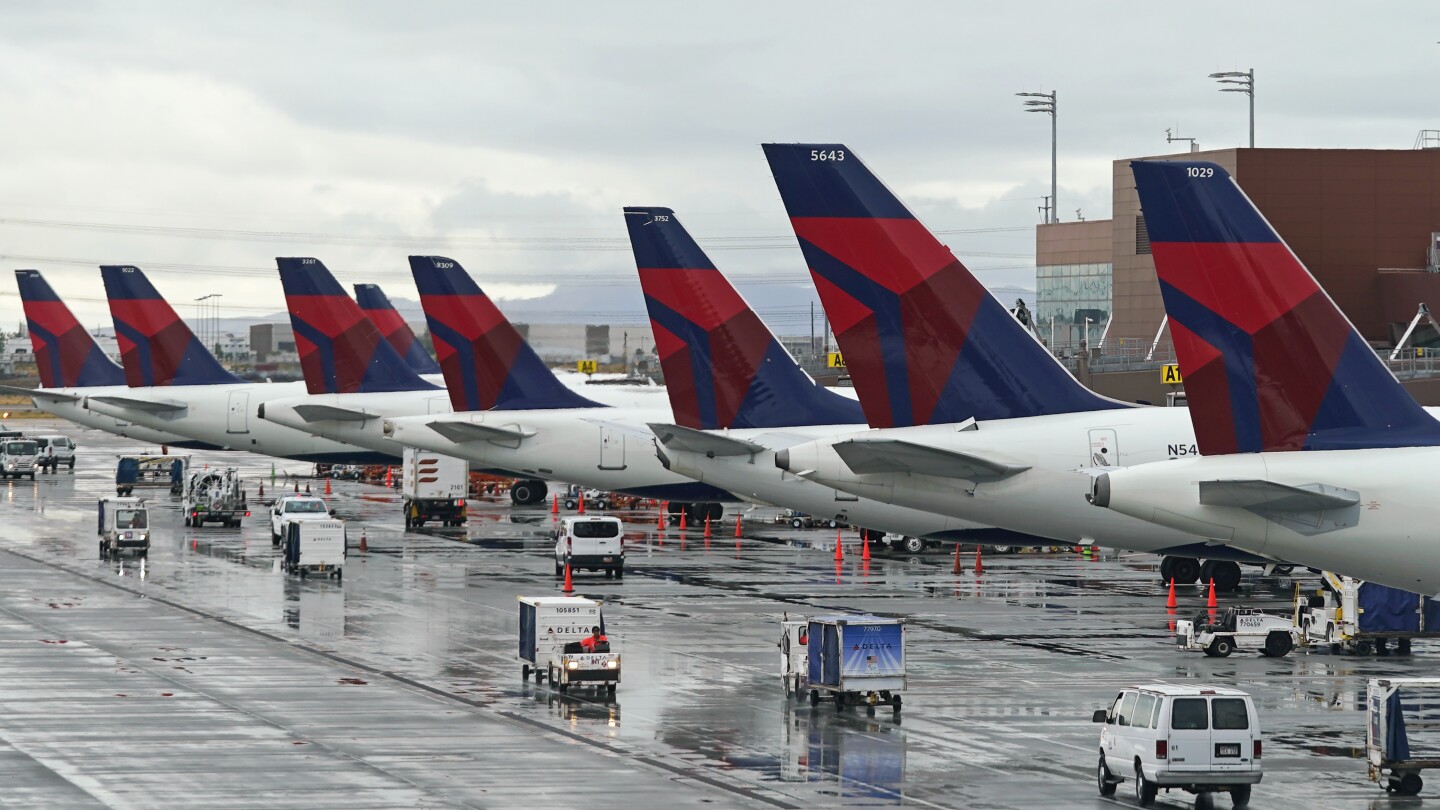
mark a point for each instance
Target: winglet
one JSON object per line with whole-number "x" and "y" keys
{"x": 341, "y": 350}
{"x": 376, "y": 305}
{"x": 1270, "y": 363}
{"x": 723, "y": 367}
{"x": 156, "y": 347}
{"x": 487, "y": 364}
{"x": 924, "y": 341}
{"x": 66, "y": 356}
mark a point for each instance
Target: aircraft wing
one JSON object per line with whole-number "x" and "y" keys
{"x": 698, "y": 441}
{"x": 39, "y": 393}
{"x": 461, "y": 432}
{"x": 865, "y": 456}
{"x": 331, "y": 413}
{"x": 150, "y": 406}
{"x": 1268, "y": 496}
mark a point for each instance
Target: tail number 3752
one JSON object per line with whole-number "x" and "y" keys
{"x": 833, "y": 154}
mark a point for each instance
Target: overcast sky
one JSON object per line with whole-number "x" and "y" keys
{"x": 200, "y": 142}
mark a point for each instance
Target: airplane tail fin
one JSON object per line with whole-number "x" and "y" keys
{"x": 397, "y": 332}
{"x": 723, "y": 367}
{"x": 341, "y": 350}
{"x": 924, "y": 341}
{"x": 1269, "y": 362}
{"x": 156, "y": 347}
{"x": 65, "y": 354}
{"x": 487, "y": 364}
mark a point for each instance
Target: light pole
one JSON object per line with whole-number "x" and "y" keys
{"x": 1045, "y": 103}
{"x": 1244, "y": 82}
{"x": 203, "y": 318}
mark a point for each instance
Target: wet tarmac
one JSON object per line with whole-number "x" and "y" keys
{"x": 204, "y": 676}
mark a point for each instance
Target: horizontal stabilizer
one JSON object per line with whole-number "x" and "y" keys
{"x": 472, "y": 432}
{"x": 687, "y": 440}
{"x": 1268, "y": 496}
{"x": 330, "y": 413}
{"x": 147, "y": 405}
{"x": 38, "y": 393}
{"x": 864, "y": 456}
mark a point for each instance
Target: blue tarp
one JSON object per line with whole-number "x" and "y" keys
{"x": 1397, "y": 743}
{"x": 527, "y": 632}
{"x": 1388, "y": 610}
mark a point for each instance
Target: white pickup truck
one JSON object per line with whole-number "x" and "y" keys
{"x": 295, "y": 507}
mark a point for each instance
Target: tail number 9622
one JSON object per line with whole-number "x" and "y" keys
{"x": 836, "y": 155}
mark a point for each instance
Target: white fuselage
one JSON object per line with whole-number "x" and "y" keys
{"x": 224, "y": 415}
{"x": 369, "y": 433}
{"x": 605, "y": 448}
{"x": 73, "y": 411}
{"x": 757, "y": 478}
{"x": 1048, "y": 499}
{"x": 1389, "y": 537}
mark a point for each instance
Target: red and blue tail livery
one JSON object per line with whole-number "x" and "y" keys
{"x": 341, "y": 350}
{"x": 723, "y": 367}
{"x": 156, "y": 347}
{"x": 923, "y": 340}
{"x": 1270, "y": 363}
{"x": 487, "y": 364}
{"x": 377, "y": 307}
{"x": 66, "y": 356}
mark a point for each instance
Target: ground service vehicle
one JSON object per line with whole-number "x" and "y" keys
{"x": 214, "y": 496}
{"x": 314, "y": 547}
{"x": 1237, "y": 628}
{"x": 124, "y": 525}
{"x": 292, "y": 508}
{"x": 19, "y": 457}
{"x": 800, "y": 520}
{"x": 794, "y": 655}
{"x": 55, "y": 450}
{"x": 551, "y": 631}
{"x": 1387, "y": 744}
{"x": 1200, "y": 739}
{"x": 858, "y": 660}
{"x": 593, "y": 498}
{"x": 433, "y": 487}
{"x": 150, "y": 472}
{"x": 591, "y": 544}
{"x": 1360, "y": 617}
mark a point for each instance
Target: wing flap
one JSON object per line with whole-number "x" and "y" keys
{"x": 865, "y": 456}
{"x": 690, "y": 440}
{"x": 461, "y": 432}
{"x": 149, "y": 406}
{"x": 331, "y": 413}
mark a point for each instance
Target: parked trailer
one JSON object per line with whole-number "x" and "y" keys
{"x": 551, "y": 631}
{"x": 1388, "y": 753}
{"x": 151, "y": 472}
{"x": 314, "y": 547}
{"x": 124, "y": 525}
{"x": 214, "y": 496}
{"x": 434, "y": 487}
{"x": 1358, "y": 617}
{"x": 857, "y": 660}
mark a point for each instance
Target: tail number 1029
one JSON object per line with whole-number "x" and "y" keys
{"x": 833, "y": 154}
{"x": 1195, "y": 171}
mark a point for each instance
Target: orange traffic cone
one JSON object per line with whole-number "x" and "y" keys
{"x": 737, "y": 527}
{"x": 581, "y": 510}
{"x": 554, "y": 504}
{"x": 979, "y": 566}
{"x": 707, "y": 527}
{"x": 660, "y": 521}
{"x": 864, "y": 546}
{"x": 262, "y": 490}
{"x": 307, "y": 487}
{"x": 388, "y": 474}
{"x": 327, "y": 486}
{"x": 839, "y": 549}
{"x": 957, "y": 559}
{"x": 1211, "y": 602}
{"x": 683, "y": 513}
{"x": 164, "y": 449}
{"x": 569, "y": 586}
{"x": 297, "y": 487}
{"x": 1170, "y": 603}
{"x": 364, "y": 546}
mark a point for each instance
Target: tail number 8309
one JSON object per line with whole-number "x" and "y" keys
{"x": 833, "y": 154}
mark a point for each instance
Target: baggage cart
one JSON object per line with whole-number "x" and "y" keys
{"x": 857, "y": 660}
{"x": 551, "y": 631}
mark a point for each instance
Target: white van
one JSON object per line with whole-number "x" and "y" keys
{"x": 591, "y": 543}
{"x": 18, "y": 458}
{"x": 56, "y": 450}
{"x": 1199, "y": 739}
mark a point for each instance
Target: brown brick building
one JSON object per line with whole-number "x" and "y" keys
{"x": 1363, "y": 220}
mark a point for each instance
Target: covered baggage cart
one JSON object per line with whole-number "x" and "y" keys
{"x": 314, "y": 547}
{"x": 151, "y": 472}
{"x": 1397, "y": 749}
{"x": 858, "y": 660}
{"x": 553, "y": 630}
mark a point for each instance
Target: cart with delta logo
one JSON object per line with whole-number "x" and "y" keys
{"x": 857, "y": 660}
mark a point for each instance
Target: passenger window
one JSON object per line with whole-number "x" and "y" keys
{"x": 1189, "y": 714}
{"x": 1230, "y": 714}
{"x": 1144, "y": 707}
{"x": 1155, "y": 715}
{"x": 1127, "y": 710}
